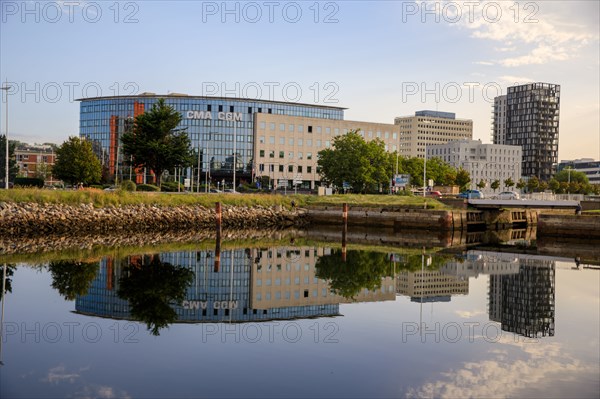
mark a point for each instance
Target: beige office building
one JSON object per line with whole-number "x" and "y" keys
{"x": 287, "y": 277}
{"x": 429, "y": 286}
{"x": 286, "y": 147}
{"x": 430, "y": 127}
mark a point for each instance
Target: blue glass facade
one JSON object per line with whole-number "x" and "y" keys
{"x": 222, "y": 295}
{"x": 207, "y": 121}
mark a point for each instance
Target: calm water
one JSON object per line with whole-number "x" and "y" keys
{"x": 300, "y": 318}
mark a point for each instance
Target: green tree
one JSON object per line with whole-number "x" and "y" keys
{"x": 521, "y": 184}
{"x": 13, "y": 168}
{"x": 571, "y": 175}
{"x": 72, "y": 278}
{"x": 543, "y": 186}
{"x": 463, "y": 179}
{"x": 10, "y": 271}
{"x": 363, "y": 165}
{"x": 533, "y": 184}
{"x": 151, "y": 288}
{"x": 495, "y": 185}
{"x": 440, "y": 172}
{"x": 76, "y": 162}
{"x": 508, "y": 183}
{"x": 362, "y": 269}
{"x": 154, "y": 142}
{"x": 554, "y": 185}
{"x": 481, "y": 185}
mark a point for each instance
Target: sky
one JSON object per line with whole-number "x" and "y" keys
{"x": 379, "y": 59}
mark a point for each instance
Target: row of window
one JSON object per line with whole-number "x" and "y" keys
{"x": 281, "y": 168}
{"x": 261, "y": 154}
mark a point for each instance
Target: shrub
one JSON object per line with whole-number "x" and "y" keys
{"x": 147, "y": 187}
{"x": 98, "y": 186}
{"x": 171, "y": 186}
{"x": 128, "y": 185}
{"x": 29, "y": 182}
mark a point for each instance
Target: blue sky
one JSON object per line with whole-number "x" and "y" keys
{"x": 379, "y": 59}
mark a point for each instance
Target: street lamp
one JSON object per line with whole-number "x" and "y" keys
{"x": 6, "y": 87}
{"x": 425, "y": 171}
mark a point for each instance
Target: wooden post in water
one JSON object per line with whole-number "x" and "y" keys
{"x": 344, "y": 230}
{"x": 218, "y": 220}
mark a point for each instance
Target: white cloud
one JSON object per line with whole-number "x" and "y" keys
{"x": 541, "y": 364}
{"x": 59, "y": 374}
{"x": 537, "y": 32}
{"x": 484, "y": 63}
{"x": 467, "y": 314}
{"x": 514, "y": 80}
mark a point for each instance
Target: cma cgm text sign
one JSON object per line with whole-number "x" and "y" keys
{"x": 224, "y": 116}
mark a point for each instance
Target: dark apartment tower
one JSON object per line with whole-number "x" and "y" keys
{"x": 532, "y": 115}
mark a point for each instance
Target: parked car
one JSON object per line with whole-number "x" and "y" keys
{"x": 434, "y": 194}
{"x": 471, "y": 194}
{"x": 508, "y": 195}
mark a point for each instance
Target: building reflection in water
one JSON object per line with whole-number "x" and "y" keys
{"x": 521, "y": 289}
{"x": 251, "y": 284}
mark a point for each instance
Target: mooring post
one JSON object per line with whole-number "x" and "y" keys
{"x": 344, "y": 230}
{"x": 218, "y": 221}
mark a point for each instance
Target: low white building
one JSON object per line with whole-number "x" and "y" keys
{"x": 487, "y": 162}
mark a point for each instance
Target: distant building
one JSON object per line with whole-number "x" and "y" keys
{"x": 589, "y": 166}
{"x": 524, "y": 302}
{"x": 36, "y": 161}
{"x": 430, "y": 286}
{"x": 487, "y": 162}
{"x": 427, "y": 128}
{"x": 528, "y": 116}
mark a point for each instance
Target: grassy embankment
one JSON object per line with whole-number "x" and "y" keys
{"x": 118, "y": 198}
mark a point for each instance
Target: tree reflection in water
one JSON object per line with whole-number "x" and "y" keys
{"x": 151, "y": 287}
{"x": 71, "y": 277}
{"x": 362, "y": 269}
{"x": 10, "y": 271}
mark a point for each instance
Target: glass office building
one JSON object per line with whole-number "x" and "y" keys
{"x": 210, "y": 122}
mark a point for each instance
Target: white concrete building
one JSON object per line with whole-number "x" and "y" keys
{"x": 426, "y": 128}
{"x": 487, "y": 162}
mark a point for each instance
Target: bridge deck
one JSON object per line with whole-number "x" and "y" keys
{"x": 496, "y": 204}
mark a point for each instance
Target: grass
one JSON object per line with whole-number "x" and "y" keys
{"x": 101, "y": 198}
{"x": 98, "y": 252}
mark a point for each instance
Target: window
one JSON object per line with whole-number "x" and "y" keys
{"x": 281, "y": 154}
{"x": 281, "y": 168}
{"x": 328, "y": 130}
{"x": 300, "y": 129}
{"x": 220, "y": 108}
{"x": 260, "y": 110}
{"x": 282, "y": 127}
{"x": 249, "y": 110}
{"x": 231, "y": 108}
{"x": 291, "y": 155}
{"x": 272, "y": 154}
{"x": 291, "y": 128}
{"x": 291, "y": 168}
{"x": 209, "y": 107}
{"x": 263, "y": 125}
{"x": 300, "y": 142}
{"x": 310, "y": 129}
{"x": 309, "y": 169}
{"x": 336, "y": 131}
{"x": 262, "y": 153}
{"x": 299, "y": 168}
{"x": 272, "y": 126}
{"x": 291, "y": 141}
{"x": 271, "y": 139}
{"x": 318, "y": 129}
{"x": 282, "y": 140}
{"x": 299, "y": 155}
{"x": 318, "y": 143}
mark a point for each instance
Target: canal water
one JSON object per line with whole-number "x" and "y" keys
{"x": 300, "y": 317}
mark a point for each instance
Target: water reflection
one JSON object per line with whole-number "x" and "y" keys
{"x": 71, "y": 277}
{"x": 270, "y": 281}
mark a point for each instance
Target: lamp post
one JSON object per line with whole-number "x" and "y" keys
{"x": 6, "y": 87}
{"x": 425, "y": 171}
{"x": 234, "y": 154}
